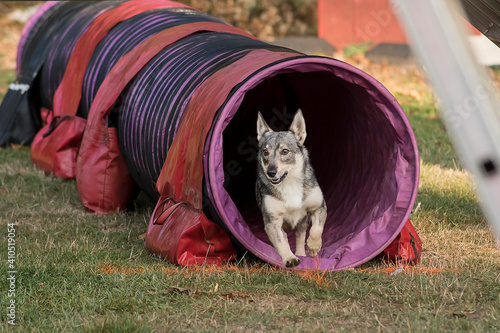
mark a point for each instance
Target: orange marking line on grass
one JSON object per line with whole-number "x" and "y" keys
{"x": 407, "y": 269}
{"x": 108, "y": 268}
{"x": 316, "y": 276}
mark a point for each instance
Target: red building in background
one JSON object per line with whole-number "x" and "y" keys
{"x": 346, "y": 22}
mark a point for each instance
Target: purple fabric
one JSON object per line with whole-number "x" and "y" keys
{"x": 369, "y": 179}
{"x": 27, "y": 28}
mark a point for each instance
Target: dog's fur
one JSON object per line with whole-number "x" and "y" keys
{"x": 287, "y": 191}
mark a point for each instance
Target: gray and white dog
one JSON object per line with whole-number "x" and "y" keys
{"x": 287, "y": 191}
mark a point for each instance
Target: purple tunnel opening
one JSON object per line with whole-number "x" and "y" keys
{"x": 361, "y": 145}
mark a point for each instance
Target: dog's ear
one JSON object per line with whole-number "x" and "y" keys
{"x": 262, "y": 127}
{"x": 298, "y": 127}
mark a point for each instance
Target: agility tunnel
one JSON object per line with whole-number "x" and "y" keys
{"x": 182, "y": 89}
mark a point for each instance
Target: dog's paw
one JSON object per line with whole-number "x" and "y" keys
{"x": 291, "y": 262}
{"x": 313, "y": 247}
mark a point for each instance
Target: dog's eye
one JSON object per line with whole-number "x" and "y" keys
{"x": 265, "y": 151}
{"x": 285, "y": 152}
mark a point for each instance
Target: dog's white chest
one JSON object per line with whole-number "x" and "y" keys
{"x": 294, "y": 204}
{"x": 291, "y": 208}
{"x": 294, "y": 217}
{"x": 293, "y": 195}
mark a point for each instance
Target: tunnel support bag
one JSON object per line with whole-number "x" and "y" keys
{"x": 406, "y": 249}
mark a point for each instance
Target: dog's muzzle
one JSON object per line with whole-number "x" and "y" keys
{"x": 276, "y": 181}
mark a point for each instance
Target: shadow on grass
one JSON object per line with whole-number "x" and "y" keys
{"x": 446, "y": 196}
{"x": 432, "y": 139}
{"x": 452, "y": 210}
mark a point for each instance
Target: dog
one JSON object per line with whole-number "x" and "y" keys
{"x": 287, "y": 191}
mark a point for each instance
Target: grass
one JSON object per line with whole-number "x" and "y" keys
{"x": 78, "y": 272}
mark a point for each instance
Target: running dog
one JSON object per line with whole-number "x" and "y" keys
{"x": 287, "y": 191}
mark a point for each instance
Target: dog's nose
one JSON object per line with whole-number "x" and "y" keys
{"x": 271, "y": 171}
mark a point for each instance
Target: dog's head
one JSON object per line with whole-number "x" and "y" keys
{"x": 281, "y": 153}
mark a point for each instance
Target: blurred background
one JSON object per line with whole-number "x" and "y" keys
{"x": 359, "y": 32}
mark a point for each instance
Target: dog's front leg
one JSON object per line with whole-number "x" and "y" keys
{"x": 314, "y": 242}
{"x": 277, "y": 237}
{"x": 300, "y": 237}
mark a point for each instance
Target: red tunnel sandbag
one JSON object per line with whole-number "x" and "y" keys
{"x": 55, "y": 146}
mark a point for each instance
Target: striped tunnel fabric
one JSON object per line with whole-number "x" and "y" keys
{"x": 127, "y": 35}
{"x": 63, "y": 44}
{"x": 361, "y": 143}
{"x": 170, "y": 80}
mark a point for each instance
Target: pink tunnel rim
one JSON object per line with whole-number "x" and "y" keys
{"x": 215, "y": 155}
